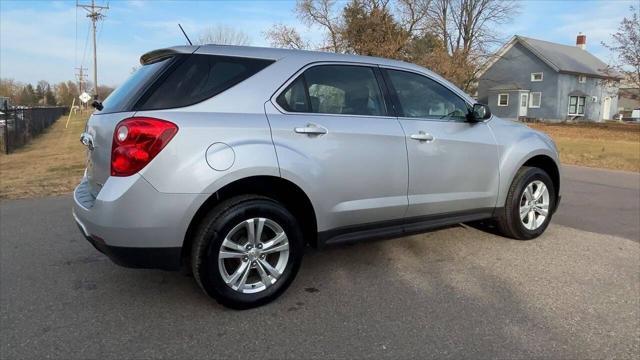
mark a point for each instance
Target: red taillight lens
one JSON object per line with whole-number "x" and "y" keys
{"x": 136, "y": 141}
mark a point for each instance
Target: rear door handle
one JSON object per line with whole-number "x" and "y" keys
{"x": 422, "y": 136}
{"x": 311, "y": 129}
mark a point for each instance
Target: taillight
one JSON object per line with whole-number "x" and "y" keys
{"x": 136, "y": 141}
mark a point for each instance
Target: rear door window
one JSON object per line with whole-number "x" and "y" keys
{"x": 335, "y": 89}
{"x": 197, "y": 77}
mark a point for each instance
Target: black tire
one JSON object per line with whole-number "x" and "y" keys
{"x": 508, "y": 219}
{"x": 211, "y": 233}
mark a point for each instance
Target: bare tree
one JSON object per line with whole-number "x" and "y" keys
{"x": 413, "y": 15}
{"x": 439, "y": 18}
{"x": 466, "y": 29}
{"x": 625, "y": 44}
{"x": 283, "y": 36}
{"x": 452, "y": 37}
{"x": 469, "y": 25}
{"x": 322, "y": 13}
{"x": 223, "y": 35}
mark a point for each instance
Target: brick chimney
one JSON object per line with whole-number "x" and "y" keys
{"x": 581, "y": 41}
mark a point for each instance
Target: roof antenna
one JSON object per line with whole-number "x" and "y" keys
{"x": 185, "y": 34}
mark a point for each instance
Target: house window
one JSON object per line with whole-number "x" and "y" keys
{"x": 503, "y": 99}
{"x": 582, "y": 79}
{"x": 535, "y": 77}
{"x": 535, "y": 100}
{"x": 576, "y": 105}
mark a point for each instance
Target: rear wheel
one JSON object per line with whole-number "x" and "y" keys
{"x": 247, "y": 251}
{"x": 529, "y": 205}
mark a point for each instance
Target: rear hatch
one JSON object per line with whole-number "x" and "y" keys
{"x": 117, "y": 107}
{"x": 168, "y": 79}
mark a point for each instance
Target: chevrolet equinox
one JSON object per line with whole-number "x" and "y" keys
{"x": 229, "y": 160}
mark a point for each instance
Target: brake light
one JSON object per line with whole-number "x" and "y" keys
{"x": 136, "y": 141}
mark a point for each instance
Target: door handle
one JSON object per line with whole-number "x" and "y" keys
{"x": 422, "y": 136}
{"x": 311, "y": 129}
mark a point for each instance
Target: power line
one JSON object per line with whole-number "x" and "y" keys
{"x": 86, "y": 43}
{"x": 94, "y": 12}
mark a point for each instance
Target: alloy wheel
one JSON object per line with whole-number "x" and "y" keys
{"x": 253, "y": 255}
{"x": 534, "y": 205}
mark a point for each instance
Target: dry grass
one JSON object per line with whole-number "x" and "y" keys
{"x": 610, "y": 146}
{"x": 51, "y": 164}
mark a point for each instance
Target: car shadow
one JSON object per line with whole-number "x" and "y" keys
{"x": 425, "y": 295}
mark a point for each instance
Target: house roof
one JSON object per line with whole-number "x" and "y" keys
{"x": 561, "y": 58}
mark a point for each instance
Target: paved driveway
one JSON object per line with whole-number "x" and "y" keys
{"x": 457, "y": 292}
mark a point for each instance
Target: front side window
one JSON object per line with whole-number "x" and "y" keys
{"x": 421, "y": 97}
{"x": 576, "y": 105}
{"x": 335, "y": 89}
{"x": 503, "y": 99}
{"x": 536, "y": 100}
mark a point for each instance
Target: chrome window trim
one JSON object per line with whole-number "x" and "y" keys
{"x": 459, "y": 93}
{"x": 297, "y": 74}
{"x": 455, "y": 91}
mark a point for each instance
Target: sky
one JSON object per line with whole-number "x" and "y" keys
{"x": 46, "y": 40}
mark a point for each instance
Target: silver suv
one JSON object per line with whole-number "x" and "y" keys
{"x": 230, "y": 160}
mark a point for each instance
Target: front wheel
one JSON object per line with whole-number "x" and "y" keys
{"x": 529, "y": 205}
{"x": 247, "y": 251}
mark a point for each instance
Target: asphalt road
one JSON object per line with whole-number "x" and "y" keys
{"x": 601, "y": 201}
{"x": 457, "y": 292}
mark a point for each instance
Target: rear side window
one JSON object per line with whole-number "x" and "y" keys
{"x": 335, "y": 89}
{"x": 123, "y": 98}
{"x": 195, "y": 77}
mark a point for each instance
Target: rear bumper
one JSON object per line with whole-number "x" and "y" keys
{"x": 135, "y": 225}
{"x": 144, "y": 258}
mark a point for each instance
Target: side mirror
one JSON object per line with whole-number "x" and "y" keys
{"x": 478, "y": 113}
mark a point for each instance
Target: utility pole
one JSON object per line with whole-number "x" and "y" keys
{"x": 82, "y": 78}
{"x": 94, "y": 13}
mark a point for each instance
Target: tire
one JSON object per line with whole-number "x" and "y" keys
{"x": 228, "y": 219}
{"x": 508, "y": 219}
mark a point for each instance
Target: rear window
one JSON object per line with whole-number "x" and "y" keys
{"x": 181, "y": 80}
{"x": 195, "y": 78}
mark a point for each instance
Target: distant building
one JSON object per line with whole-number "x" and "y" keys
{"x": 531, "y": 78}
{"x": 628, "y": 98}
{"x": 5, "y": 102}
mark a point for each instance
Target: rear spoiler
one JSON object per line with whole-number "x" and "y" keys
{"x": 156, "y": 55}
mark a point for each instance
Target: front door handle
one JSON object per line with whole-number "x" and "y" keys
{"x": 311, "y": 129}
{"x": 422, "y": 136}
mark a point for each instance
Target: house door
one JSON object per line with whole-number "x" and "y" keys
{"x": 606, "y": 108}
{"x": 524, "y": 102}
